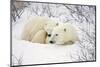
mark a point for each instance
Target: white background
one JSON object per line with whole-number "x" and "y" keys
{"x": 5, "y": 33}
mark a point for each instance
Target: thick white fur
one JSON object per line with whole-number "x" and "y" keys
{"x": 66, "y": 34}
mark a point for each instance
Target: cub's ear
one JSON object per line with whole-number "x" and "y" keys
{"x": 65, "y": 29}
{"x": 57, "y": 24}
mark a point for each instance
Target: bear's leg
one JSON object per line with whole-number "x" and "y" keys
{"x": 39, "y": 37}
{"x": 69, "y": 42}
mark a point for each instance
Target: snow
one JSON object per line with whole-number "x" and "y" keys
{"x": 35, "y": 53}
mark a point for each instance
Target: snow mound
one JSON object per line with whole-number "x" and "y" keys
{"x": 35, "y": 53}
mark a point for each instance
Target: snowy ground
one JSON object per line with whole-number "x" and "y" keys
{"x": 24, "y": 52}
{"x": 35, "y": 53}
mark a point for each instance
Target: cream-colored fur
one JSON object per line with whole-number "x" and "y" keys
{"x": 63, "y": 34}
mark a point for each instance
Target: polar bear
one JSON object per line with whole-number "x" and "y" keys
{"x": 63, "y": 34}
{"x": 36, "y": 29}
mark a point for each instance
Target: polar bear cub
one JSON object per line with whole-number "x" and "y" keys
{"x": 63, "y": 34}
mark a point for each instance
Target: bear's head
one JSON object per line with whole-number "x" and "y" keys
{"x": 56, "y": 36}
{"x": 62, "y": 35}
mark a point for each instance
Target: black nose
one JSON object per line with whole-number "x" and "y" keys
{"x": 51, "y": 42}
{"x": 49, "y": 35}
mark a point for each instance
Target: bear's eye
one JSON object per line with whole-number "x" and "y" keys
{"x": 57, "y": 24}
{"x": 65, "y": 30}
{"x": 56, "y": 34}
{"x": 49, "y": 35}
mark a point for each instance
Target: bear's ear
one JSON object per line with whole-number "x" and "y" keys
{"x": 65, "y": 29}
{"x": 57, "y": 24}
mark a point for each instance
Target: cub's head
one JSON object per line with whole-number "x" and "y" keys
{"x": 57, "y": 36}
{"x": 62, "y": 34}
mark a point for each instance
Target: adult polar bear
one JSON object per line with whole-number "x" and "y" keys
{"x": 36, "y": 29}
{"x": 63, "y": 34}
